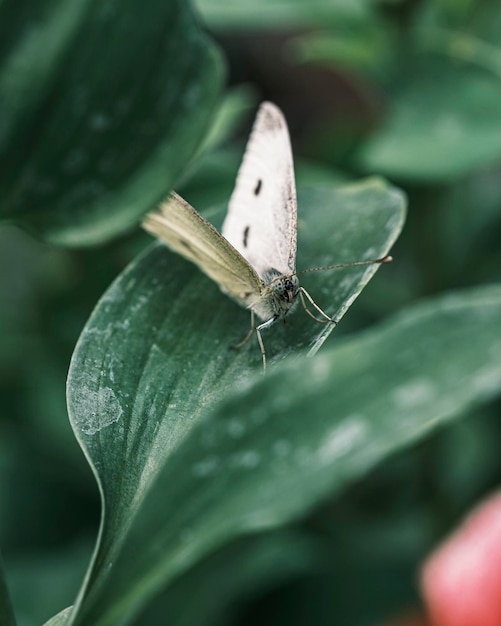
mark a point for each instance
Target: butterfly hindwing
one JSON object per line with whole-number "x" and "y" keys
{"x": 189, "y": 234}
{"x": 262, "y": 215}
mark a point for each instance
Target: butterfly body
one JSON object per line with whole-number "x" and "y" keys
{"x": 276, "y": 297}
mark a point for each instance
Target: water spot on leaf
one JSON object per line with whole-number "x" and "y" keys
{"x": 95, "y": 410}
{"x": 258, "y": 416}
{"x": 488, "y": 380}
{"x": 122, "y": 324}
{"x": 344, "y": 438}
{"x": 282, "y": 447}
{"x": 206, "y": 467}
{"x": 235, "y": 429}
{"x": 100, "y": 122}
{"x": 304, "y": 458}
{"x": 450, "y": 127}
{"x": 321, "y": 369}
{"x": 74, "y": 162}
{"x": 248, "y": 459}
{"x": 414, "y": 393}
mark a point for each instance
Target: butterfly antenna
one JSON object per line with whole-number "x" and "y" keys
{"x": 385, "y": 259}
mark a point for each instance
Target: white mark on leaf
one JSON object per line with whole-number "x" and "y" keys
{"x": 206, "y": 467}
{"x": 414, "y": 393}
{"x": 488, "y": 380}
{"x": 321, "y": 369}
{"x": 248, "y": 459}
{"x": 282, "y": 447}
{"x": 344, "y": 438}
{"x": 96, "y": 410}
{"x": 235, "y": 429}
{"x": 100, "y": 122}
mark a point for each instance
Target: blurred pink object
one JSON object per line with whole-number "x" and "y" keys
{"x": 461, "y": 580}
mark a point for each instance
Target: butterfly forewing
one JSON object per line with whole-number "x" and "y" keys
{"x": 188, "y": 233}
{"x": 262, "y": 215}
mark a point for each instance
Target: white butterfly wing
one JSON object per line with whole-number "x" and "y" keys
{"x": 188, "y": 233}
{"x": 262, "y": 215}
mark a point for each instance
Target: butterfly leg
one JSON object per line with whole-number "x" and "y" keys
{"x": 247, "y": 337}
{"x": 258, "y": 329}
{"x": 304, "y": 294}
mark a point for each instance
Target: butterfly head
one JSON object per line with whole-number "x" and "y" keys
{"x": 285, "y": 289}
{"x": 282, "y": 290}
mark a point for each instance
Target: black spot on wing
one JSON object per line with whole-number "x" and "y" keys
{"x": 258, "y": 187}
{"x": 246, "y": 236}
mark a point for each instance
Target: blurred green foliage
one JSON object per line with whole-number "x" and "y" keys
{"x": 408, "y": 89}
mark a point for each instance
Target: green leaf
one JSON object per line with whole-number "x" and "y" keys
{"x": 444, "y": 123}
{"x": 469, "y": 34}
{"x": 253, "y": 461}
{"x": 7, "y": 617}
{"x": 369, "y": 47}
{"x": 285, "y": 14}
{"x": 61, "y": 619}
{"x": 236, "y": 103}
{"x": 42, "y": 582}
{"x": 244, "y": 568}
{"x": 95, "y": 130}
{"x": 153, "y": 362}
{"x": 468, "y": 225}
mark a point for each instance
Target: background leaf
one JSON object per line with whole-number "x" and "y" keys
{"x": 119, "y": 373}
{"x": 281, "y": 14}
{"x": 6, "y": 612}
{"x": 429, "y": 135}
{"x": 242, "y": 569}
{"x": 31, "y": 575}
{"x": 96, "y": 130}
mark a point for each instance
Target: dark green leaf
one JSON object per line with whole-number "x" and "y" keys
{"x": 6, "y": 611}
{"x": 43, "y": 582}
{"x": 244, "y": 568}
{"x": 154, "y": 360}
{"x": 95, "y": 129}
{"x": 275, "y": 445}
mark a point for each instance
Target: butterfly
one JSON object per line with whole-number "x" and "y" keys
{"x": 254, "y": 259}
